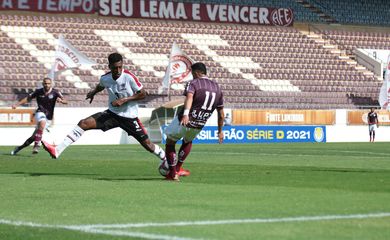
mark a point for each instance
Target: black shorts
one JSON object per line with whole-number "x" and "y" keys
{"x": 108, "y": 120}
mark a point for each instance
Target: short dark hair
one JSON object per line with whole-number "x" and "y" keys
{"x": 114, "y": 58}
{"x": 199, "y": 66}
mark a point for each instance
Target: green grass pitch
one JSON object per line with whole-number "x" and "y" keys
{"x": 256, "y": 191}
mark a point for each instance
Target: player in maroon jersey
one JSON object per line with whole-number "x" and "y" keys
{"x": 203, "y": 96}
{"x": 372, "y": 120}
{"x": 46, "y": 97}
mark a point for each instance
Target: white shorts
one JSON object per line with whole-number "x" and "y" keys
{"x": 371, "y": 127}
{"x": 40, "y": 116}
{"x": 175, "y": 131}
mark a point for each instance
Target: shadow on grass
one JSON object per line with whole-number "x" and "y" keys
{"x": 130, "y": 178}
{"x": 38, "y": 174}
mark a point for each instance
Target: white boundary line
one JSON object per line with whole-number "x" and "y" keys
{"x": 92, "y": 230}
{"x": 104, "y": 228}
{"x": 240, "y": 221}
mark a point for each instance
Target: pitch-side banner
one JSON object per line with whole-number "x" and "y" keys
{"x": 68, "y": 57}
{"x": 197, "y": 12}
{"x": 262, "y": 134}
{"x": 166, "y": 10}
{"x": 384, "y": 94}
{"x": 50, "y": 6}
{"x": 359, "y": 117}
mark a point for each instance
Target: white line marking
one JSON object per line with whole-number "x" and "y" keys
{"x": 240, "y": 221}
{"x": 102, "y": 228}
{"x": 92, "y": 230}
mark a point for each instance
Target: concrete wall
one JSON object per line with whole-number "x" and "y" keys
{"x": 67, "y": 118}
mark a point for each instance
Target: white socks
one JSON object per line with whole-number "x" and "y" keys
{"x": 159, "y": 152}
{"x": 72, "y": 137}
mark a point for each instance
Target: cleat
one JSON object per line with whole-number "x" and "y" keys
{"x": 50, "y": 149}
{"x": 15, "y": 151}
{"x": 183, "y": 172}
{"x": 170, "y": 178}
{"x": 35, "y": 149}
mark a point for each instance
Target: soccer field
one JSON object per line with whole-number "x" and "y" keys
{"x": 259, "y": 191}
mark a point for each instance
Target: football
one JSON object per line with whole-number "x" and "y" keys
{"x": 163, "y": 168}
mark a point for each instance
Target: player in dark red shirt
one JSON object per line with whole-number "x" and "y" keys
{"x": 203, "y": 96}
{"x": 46, "y": 97}
{"x": 372, "y": 120}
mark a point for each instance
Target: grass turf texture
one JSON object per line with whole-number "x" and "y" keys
{"x": 120, "y": 184}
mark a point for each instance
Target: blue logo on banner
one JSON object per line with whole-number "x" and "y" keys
{"x": 262, "y": 134}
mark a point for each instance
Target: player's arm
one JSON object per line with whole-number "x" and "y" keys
{"x": 21, "y": 102}
{"x": 141, "y": 94}
{"x": 187, "y": 106}
{"x": 221, "y": 119}
{"x": 91, "y": 94}
{"x": 62, "y": 100}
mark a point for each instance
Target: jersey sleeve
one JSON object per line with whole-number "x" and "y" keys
{"x": 59, "y": 94}
{"x": 33, "y": 94}
{"x": 190, "y": 88}
{"x": 135, "y": 84}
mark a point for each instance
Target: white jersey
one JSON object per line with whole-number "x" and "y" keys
{"x": 125, "y": 86}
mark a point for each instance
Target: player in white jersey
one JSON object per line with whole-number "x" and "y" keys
{"x": 124, "y": 90}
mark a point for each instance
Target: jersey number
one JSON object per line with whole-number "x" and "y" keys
{"x": 206, "y": 100}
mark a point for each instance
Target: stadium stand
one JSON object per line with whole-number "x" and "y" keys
{"x": 257, "y": 66}
{"x": 374, "y": 12}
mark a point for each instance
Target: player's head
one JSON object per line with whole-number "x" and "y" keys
{"x": 46, "y": 83}
{"x": 115, "y": 63}
{"x": 372, "y": 109}
{"x": 198, "y": 70}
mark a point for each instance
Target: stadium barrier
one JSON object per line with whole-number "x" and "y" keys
{"x": 283, "y": 117}
{"x": 340, "y": 131}
{"x": 17, "y": 117}
{"x": 357, "y": 117}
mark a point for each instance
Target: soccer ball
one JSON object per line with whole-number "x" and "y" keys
{"x": 163, "y": 168}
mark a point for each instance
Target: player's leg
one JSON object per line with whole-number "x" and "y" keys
{"x": 171, "y": 159}
{"x": 135, "y": 128}
{"x": 38, "y": 135}
{"x": 95, "y": 121}
{"x": 153, "y": 148}
{"x": 188, "y": 136}
{"x": 184, "y": 151}
{"x": 174, "y": 132}
{"x": 25, "y": 144}
{"x": 41, "y": 119}
{"x": 370, "y": 129}
{"x": 373, "y": 135}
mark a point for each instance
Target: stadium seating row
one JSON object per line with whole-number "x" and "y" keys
{"x": 242, "y": 58}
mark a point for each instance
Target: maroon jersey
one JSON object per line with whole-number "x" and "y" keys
{"x": 372, "y": 118}
{"x": 46, "y": 101}
{"x": 207, "y": 97}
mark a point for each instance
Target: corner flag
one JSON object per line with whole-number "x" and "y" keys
{"x": 384, "y": 94}
{"x": 178, "y": 70}
{"x": 67, "y": 57}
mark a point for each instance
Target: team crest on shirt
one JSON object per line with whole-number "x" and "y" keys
{"x": 50, "y": 96}
{"x": 122, "y": 87}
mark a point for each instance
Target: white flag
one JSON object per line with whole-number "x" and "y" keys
{"x": 384, "y": 94}
{"x": 67, "y": 57}
{"x": 178, "y": 70}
